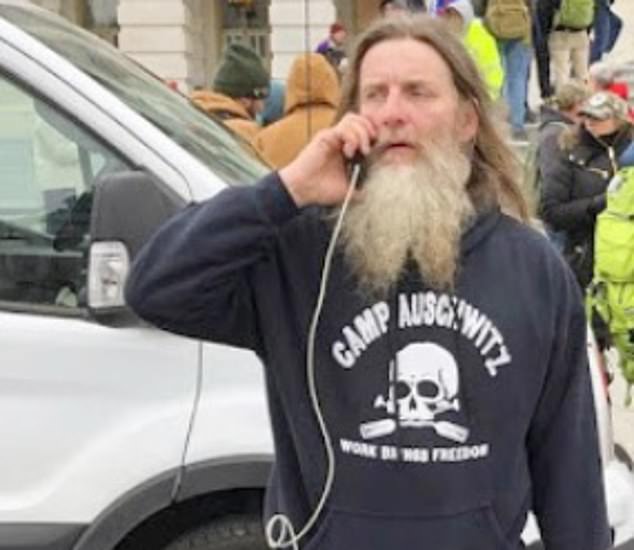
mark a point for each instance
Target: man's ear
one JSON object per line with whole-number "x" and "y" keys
{"x": 468, "y": 121}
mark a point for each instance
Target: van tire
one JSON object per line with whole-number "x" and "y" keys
{"x": 235, "y": 532}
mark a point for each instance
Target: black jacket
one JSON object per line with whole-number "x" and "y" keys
{"x": 574, "y": 184}
{"x": 510, "y": 427}
{"x": 552, "y": 124}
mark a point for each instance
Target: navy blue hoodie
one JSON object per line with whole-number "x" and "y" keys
{"x": 450, "y": 414}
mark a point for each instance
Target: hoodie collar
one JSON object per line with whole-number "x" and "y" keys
{"x": 311, "y": 81}
{"x": 483, "y": 225}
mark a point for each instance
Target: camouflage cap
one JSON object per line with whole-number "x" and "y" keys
{"x": 604, "y": 105}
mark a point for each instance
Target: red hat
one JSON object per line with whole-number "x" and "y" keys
{"x": 336, "y": 27}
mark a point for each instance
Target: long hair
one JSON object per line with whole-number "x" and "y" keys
{"x": 494, "y": 176}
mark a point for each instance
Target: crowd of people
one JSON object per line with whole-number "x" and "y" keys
{"x": 566, "y": 38}
{"x": 585, "y": 123}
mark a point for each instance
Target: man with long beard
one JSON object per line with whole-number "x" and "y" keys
{"x": 386, "y": 227}
{"x": 427, "y": 377}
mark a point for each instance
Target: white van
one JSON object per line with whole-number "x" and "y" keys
{"x": 114, "y": 435}
{"x": 111, "y": 432}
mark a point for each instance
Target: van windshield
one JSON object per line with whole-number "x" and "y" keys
{"x": 209, "y": 141}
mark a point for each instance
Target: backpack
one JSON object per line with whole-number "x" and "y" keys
{"x": 611, "y": 293}
{"x": 531, "y": 176}
{"x": 575, "y": 14}
{"x": 508, "y": 19}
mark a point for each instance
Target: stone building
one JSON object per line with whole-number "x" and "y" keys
{"x": 182, "y": 40}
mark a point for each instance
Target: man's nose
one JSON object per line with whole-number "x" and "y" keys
{"x": 392, "y": 112}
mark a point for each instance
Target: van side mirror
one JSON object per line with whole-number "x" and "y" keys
{"x": 127, "y": 208}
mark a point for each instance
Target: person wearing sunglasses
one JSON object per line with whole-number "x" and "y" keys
{"x": 575, "y": 183}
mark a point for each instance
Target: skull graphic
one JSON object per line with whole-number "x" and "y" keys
{"x": 427, "y": 383}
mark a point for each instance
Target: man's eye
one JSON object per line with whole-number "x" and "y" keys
{"x": 370, "y": 95}
{"x": 420, "y": 92}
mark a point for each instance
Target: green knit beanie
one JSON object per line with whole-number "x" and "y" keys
{"x": 241, "y": 73}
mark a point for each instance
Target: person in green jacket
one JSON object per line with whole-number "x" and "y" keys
{"x": 460, "y": 18}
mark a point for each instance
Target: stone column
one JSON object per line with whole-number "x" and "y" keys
{"x": 198, "y": 42}
{"x": 71, "y": 9}
{"x": 297, "y": 26}
{"x": 160, "y": 34}
{"x": 211, "y": 39}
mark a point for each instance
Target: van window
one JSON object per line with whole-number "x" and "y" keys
{"x": 48, "y": 168}
{"x": 206, "y": 139}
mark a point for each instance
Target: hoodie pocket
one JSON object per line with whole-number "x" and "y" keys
{"x": 473, "y": 530}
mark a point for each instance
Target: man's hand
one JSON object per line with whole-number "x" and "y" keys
{"x": 318, "y": 174}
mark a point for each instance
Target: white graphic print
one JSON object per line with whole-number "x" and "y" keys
{"x": 427, "y": 384}
{"x": 420, "y": 310}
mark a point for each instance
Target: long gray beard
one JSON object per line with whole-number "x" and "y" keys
{"x": 419, "y": 212}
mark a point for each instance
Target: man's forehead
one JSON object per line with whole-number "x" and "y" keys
{"x": 402, "y": 80}
{"x": 403, "y": 59}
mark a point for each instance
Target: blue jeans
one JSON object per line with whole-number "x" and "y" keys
{"x": 516, "y": 61}
{"x": 607, "y": 27}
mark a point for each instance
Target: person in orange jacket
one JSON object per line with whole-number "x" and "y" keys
{"x": 240, "y": 86}
{"x": 312, "y": 98}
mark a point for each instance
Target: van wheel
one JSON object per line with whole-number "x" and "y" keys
{"x": 623, "y": 456}
{"x": 241, "y": 532}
